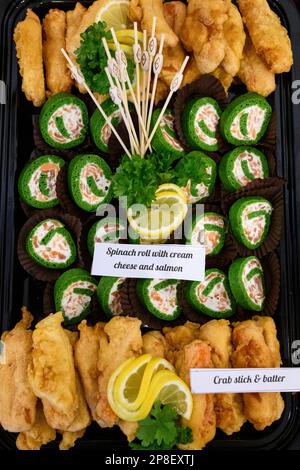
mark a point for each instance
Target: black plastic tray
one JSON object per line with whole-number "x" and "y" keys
{"x": 16, "y": 144}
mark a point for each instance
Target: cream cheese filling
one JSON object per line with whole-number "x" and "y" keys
{"x": 217, "y": 300}
{"x": 256, "y": 117}
{"x": 164, "y": 300}
{"x": 73, "y": 122}
{"x": 72, "y": 303}
{"x": 93, "y": 170}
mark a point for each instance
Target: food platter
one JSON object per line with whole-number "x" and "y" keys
{"x": 16, "y": 287}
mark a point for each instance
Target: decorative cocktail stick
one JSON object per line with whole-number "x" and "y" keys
{"x": 145, "y": 67}
{"x": 175, "y": 85}
{"x": 152, "y": 46}
{"x": 116, "y": 97}
{"x": 122, "y": 63}
{"x": 123, "y": 67}
{"x": 137, "y": 57}
{"x": 115, "y": 71}
{"x": 157, "y": 66}
{"x": 80, "y": 79}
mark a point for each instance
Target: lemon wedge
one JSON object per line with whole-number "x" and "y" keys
{"x": 158, "y": 221}
{"x": 115, "y": 14}
{"x": 131, "y": 386}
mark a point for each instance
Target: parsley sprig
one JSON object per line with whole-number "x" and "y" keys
{"x": 137, "y": 179}
{"x": 92, "y": 59}
{"x": 163, "y": 163}
{"x": 160, "y": 431}
{"x": 189, "y": 168}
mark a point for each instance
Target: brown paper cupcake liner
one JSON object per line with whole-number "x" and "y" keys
{"x": 48, "y": 299}
{"x": 269, "y": 139}
{"x": 206, "y": 86}
{"x": 271, "y": 267}
{"x": 132, "y": 307}
{"x": 42, "y": 273}
{"x": 65, "y": 198}
{"x": 271, "y": 189}
{"x": 82, "y": 242}
{"x": 226, "y": 255}
{"x": 93, "y": 317}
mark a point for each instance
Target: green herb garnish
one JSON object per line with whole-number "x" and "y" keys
{"x": 137, "y": 179}
{"x": 189, "y": 170}
{"x": 92, "y": 59}
{"x": 163, "y": 163}
{"x": 160, "y": 431}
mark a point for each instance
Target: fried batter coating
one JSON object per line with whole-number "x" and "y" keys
{"x": 235, "y": 36}
{"x": 69, "y": 439}
{"x": 58, "y": 77}
{"x": 40, "y": 433}
{"x": 51, "y": 370}
{"x": 203, "y": 419}
{"x": 203, "y": 32}
{"x": 86, "y": 361}
{"x": 270, "y": 39}
{"x": 175, "y": 14}
{"x": 228, "y": 406}
{"x": 28, "y": 40}
{"x": 256, "y": 345}
{"x": 143, "y": 12}
{"x": 191, "y": 72}
{"x": 17, "y": 401}
{"x": 155, "y": 344}
{"x": 225, "y": 78}
{"x": 73, "y": 20}
{"x": 123, "y": 340}
{"x": 254, "y": 71}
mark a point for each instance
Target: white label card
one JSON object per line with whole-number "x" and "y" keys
{"x": 283, "y": 379}
{"x": 149, "y": 261}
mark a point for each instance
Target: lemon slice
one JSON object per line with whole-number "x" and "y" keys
{"x": 165, "y": 385}
{"x": 166, "y": 187}
{"x": 127, "y": 49}
{"x": 113, "y": 378}
{"x": 115, "y": 14}
{"x": 126, "y": 36}
{"x": 164, "y": 216}
{"x": 131, "y": 386}
{"x": 177, "y": 394}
